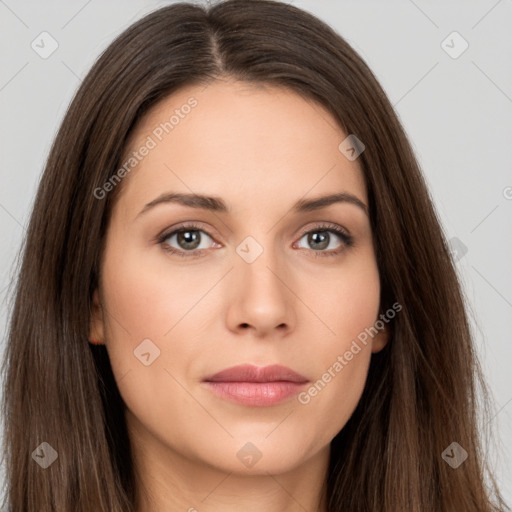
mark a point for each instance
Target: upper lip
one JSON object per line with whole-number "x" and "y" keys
{"x": 251, "y": 373}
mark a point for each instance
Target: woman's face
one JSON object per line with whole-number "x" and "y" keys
{"x": 246, "y": 285}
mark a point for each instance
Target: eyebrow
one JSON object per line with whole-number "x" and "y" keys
{"x": 217, "y": 204}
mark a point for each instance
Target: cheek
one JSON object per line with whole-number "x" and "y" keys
{"x": 146, "y": 300}
{"x": 350, "y": 304}
{"x": 144, "y": 305}
{"x": 347, "y": 300}
{"x": 140, "y": 307}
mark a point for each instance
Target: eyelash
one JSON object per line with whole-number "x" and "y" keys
{"x": 347, "y": 240}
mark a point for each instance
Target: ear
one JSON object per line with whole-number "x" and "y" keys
{"x": 380, "y": 340}
{"x": 96, "y": 330}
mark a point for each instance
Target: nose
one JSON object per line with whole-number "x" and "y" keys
{"x": 261, "y": 297}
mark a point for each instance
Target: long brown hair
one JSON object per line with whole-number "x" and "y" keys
{"x": 422, "y": 389}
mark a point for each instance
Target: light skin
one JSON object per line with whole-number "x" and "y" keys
{"x": 260, "y": 149}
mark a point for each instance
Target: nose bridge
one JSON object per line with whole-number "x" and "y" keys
{"x": 259, "y": 257}
{"x": 262, "y": 298}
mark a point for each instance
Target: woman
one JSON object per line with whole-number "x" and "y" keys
{"x": 235, "y": 292}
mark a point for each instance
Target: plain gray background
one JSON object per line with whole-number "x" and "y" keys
{"x": 456, "y": 108}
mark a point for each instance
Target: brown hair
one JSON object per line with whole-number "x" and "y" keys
{"x": 422, "y": 389}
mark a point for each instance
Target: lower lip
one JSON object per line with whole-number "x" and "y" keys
{"x": 256, "y": 394}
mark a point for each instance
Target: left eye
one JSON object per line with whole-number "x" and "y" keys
{"x": 320, "y": 240}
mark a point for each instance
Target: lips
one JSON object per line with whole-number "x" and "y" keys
{"x": 254, "y": 386}
{"x": 250, "y": 373}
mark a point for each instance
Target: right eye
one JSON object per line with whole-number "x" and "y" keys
{"x": 188, "y": 239}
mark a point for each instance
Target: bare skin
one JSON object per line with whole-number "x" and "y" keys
{"x": 260, "y": 149}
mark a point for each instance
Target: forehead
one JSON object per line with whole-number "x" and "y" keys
{"x": 249, "y": 143}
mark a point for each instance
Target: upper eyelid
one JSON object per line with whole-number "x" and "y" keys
{"x": 183, "y": 227}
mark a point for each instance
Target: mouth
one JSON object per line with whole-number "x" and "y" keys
{"x": 256, "y": 386}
